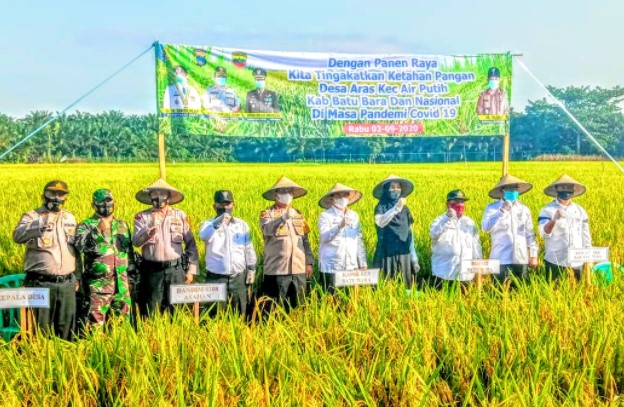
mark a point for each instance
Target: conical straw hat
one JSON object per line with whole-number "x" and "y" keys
{"x": 579, "y": 189}
{"x": 175, "y": 196}
{"x": 407, "y": 186}
{"x": 497, "y": 191}
{"x": 285, "y": 182}
{"x": 327, "y": 201}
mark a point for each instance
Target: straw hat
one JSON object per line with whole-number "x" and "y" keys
{"x": 507, "y": 180}
{"x": 407, "y": 186}
{"x": 284, "y": 182}
{"x": 579, "y": 189}
{"x": 327, "y": 201}
{"x": 175, "y": 196}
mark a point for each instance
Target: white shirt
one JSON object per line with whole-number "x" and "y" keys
{"x": 176, "y": 96}
{"x": 341, "y": 248}
{"x": 229, "y": 249}
{"x": 571, "y": 231}
{"x": 453, "y": 240}
{"x": 512, "y": 233}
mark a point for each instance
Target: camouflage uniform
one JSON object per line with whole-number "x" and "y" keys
{"x": 108, "y": 267}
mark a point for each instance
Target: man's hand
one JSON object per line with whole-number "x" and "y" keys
{"x": 364, "y": 267}
{"x": 450, "y": 212}
{"x": 104, "y": 225}
{"x": 506, "y": 206}
{"x": 559, "y": 214}
{"x": 226, "y": 218}
{"x": 188, "y": 279}
{"x": 533, "y": 263}
{"x": 309, "y": 270}
{"x": 401, "y": 203}
{"x": 77, "y": 286}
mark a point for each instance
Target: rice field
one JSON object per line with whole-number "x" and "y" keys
{"x": 538, "y": 345}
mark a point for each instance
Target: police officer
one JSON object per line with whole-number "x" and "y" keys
{"x": 493, "y": 101}
{"x": 564, "y": 224}
{"x": 50, "y": 259}
{"x": 288, "y": 258}
{"x": 261, "y": 100}
{"x": 220, "y": 97}
{"x": 169, "y": 253}
{"x": 109, "y": 267}
{"x": 181, "y": 95}
{"x": 230, "y": 255}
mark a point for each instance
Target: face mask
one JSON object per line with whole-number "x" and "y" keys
{"x": 394, "y": 195}
{"x": 493, "y": 84}
{"x": 105, "y": 209}
{"x": 180, "y": 79}
{"x": 341, "y": 203}
{"x": 221, "y": 211}
{"x": 511, "y": 196}
{"x": 53, "y": 204}
{"x": 459, "y": 208}
{"x": 564, "y": 195}
{"x": 260, "y": 84}
{"x": 285, "y": 199}
{"x": 221, "y": 81}
{"x": 159, "y": 202}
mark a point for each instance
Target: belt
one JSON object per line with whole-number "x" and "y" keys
{"x": 48, "y": 278}
{"x": 160, "y": 265}
{"x": 210, "y": 273}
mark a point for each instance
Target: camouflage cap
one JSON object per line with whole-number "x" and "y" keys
{"x": 102, "y": 194}
{"x": 456, "y": 195}
{"x": 259, "y": 73}
{"x": 220, "y": 71}
{"x": 57, "y": 186}
{"x": 493, "y": 72}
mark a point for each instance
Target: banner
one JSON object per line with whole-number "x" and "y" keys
{"x": 237, "y": 92}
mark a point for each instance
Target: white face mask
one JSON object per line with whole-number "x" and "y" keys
{"x": 341, "y": 203}
{"x": 284, "y": 199}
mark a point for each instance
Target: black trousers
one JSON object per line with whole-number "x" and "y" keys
{"x": 154, "y": 288}
{"x": 289, "y": 290}
{"x": 555, "y": 271}
{"x": 60, "y": 318}
{"x": 519, "y": 271}
{"x": 236, "y": 290}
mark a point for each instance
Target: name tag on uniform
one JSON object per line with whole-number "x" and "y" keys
{"x": 588, "y": 255}
{"x": 26, "y": 297}
{"x": 186, "y": 294}
{"x": 356, "y": 277}
{"x": 480, "y": 266}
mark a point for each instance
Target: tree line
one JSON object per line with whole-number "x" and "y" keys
{"x": 542, "y": 128}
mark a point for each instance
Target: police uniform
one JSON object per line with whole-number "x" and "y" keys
{"x": 221, "y": 98}
{"x": 108, "y": 266}
{"x": 493, "y": 102}
{"x": 261, "y": 100}
{"x": 287, "y": 249}
{"x": 178, "y": 97}
{"x": 50, "y": 262}
{"x": 164, "y": 248}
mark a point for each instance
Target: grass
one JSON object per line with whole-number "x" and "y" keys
{"x": 539, "y": 345}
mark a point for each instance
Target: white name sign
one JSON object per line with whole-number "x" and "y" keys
{"x": 356, "y": 277}
{"x": 589, "y": 255}
{"x": 186, "y": 294}
{"x": 26, "y": 297}
{"x": 480, "y": 266}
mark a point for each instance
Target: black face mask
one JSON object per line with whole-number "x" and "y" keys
{"x": 159, "y": 202}
{"x": 221, "y": 211}
{"x": 53, "y": 204}
{"x": 105, "y": 209}
{"x": 564, "y": 195}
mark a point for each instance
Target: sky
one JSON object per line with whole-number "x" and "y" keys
{"x": 53, "y": 52}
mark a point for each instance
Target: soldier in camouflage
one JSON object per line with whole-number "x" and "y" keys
{"x": 109, "y": 270}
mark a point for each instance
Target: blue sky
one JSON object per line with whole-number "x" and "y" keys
{"x": 55, "y": 51}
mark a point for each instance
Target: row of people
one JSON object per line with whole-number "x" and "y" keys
{"x": 99, "y": 252}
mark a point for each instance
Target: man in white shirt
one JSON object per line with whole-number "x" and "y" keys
{"x": 510, "y": 226}
{"x": 454, "y": 238}
{"x": 342, "y": 247}
{"x": 563, "y": 224}
{"x": 230, "y": 255}
{"x": 181, "y": 95}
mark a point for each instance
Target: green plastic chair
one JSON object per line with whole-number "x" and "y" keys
{"x": 10, "y": 317}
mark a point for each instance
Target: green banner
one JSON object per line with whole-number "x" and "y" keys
{"x": 223, "y": 91}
